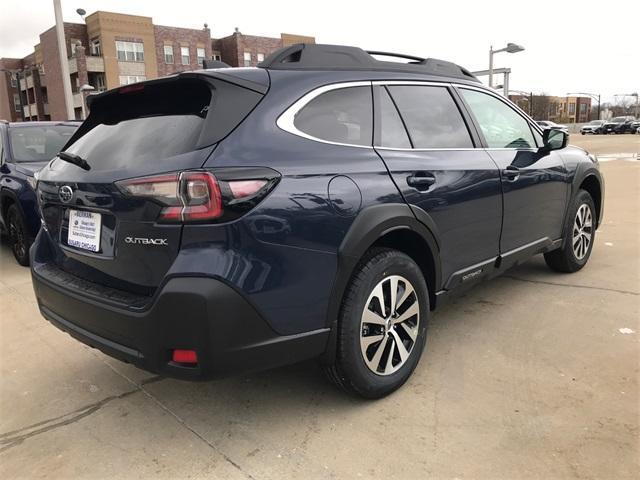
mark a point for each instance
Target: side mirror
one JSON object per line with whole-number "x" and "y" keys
{"x": 554, "y": 139}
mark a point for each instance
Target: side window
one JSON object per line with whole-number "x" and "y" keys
{"x": 501, "y": 126}
{"x": 431, "y": 116}
{"x": 391, "y": 132}
{"x": 342, "y": 116}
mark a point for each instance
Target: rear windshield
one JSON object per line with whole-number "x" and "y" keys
{"x": 145, "y": 124}
{"x": 38, "y": 143}
{"x": 148, "y": 124}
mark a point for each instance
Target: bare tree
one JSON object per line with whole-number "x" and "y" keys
{"x": 541, "y": 107}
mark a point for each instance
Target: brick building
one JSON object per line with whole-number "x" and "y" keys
{"x": 557, "y": 109}
{"x": 113, "y": 49}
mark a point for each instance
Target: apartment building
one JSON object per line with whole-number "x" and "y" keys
{"x": 569, "y": 109}
{"x": 113, "y": 49}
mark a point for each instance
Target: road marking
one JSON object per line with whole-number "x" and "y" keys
{"x": 608, "y": 157}
{"x": 626, "y": 331}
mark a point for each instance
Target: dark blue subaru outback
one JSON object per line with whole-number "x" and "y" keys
{"x": 318, "y": 206}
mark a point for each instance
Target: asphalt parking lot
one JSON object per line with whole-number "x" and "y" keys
{"x": 531, "y": 375}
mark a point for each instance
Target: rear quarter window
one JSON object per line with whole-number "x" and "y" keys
{"x": 343, "y": 115}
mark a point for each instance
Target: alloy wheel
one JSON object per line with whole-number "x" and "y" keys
{"x": 16, "y": 237}
{"x": 389, "y": 325}
{"x": 582, "y": 231}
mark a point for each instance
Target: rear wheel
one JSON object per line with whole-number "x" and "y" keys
{"x": 578, "y": 237}
{"x": 18, "y": 236}
{"x": 382, "y": 325}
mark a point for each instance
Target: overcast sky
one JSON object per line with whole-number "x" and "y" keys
{"x": 571, "y": 46}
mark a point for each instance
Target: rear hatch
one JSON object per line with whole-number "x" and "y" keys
{"x": 101, "y": 231}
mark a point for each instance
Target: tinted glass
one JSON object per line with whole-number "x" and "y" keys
{"x": 501, "y": 126}
{"x": 148, "y": 124}
{"x": 138, "y": 140}
{"x": 342, "y": 116}
{"x": 392, "y": 131}
{"x": 38, "y": 144}
{"x": 431, "y": 116}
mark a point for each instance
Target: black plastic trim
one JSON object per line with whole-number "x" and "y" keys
{"x": 304, "y": 56}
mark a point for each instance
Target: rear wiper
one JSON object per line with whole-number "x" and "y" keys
{"x": 75, "y": 159}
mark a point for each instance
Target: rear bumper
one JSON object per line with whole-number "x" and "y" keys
{"x": 198, "y": 313}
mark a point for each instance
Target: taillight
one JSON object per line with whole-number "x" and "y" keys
{"x": 193, "y": 196}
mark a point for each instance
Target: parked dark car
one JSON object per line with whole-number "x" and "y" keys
{"x": 619, "y": 125}
{"x": 318, "y": 206}
{"x": 594, "y": 126}
{"x": 25, "y": 147}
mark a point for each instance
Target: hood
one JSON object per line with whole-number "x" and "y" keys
{"x": 29, "y": 168}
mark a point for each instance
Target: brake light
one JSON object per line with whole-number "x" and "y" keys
{"x": 131, "y": 88}
{"x": 188, "y": 196}
{"x": 200, "y": 195}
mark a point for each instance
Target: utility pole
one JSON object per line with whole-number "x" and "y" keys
{"x": 64, "y": 61}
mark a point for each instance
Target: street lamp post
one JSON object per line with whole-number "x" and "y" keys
{"x": 64, "y": 61}
{"x": 510, "y": 48}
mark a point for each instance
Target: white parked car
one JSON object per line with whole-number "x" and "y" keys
{"x": 545, "y": 124}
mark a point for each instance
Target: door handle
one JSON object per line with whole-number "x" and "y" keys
{"x": 511, "y": 173}
{"x": 421, "y": 180}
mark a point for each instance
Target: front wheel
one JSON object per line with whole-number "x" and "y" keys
{"x": 18, "y": 236}
{"x": 579, "y": 236}
{"x": 382, "y": 325}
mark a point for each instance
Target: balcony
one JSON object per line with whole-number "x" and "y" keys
{"x": 26, "y": 84}
{"x": 94, "y": 64}
{"x": 30, "y": 110}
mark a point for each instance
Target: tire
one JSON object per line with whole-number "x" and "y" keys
{"x": 578, "y": 238}
{"x": 373, "y": 279}
{"x": 17, "y": 232}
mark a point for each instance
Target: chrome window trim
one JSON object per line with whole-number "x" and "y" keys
{"x": 286, "y": 119}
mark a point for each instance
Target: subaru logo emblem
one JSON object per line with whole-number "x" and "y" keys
{"x": 65, "y": 193}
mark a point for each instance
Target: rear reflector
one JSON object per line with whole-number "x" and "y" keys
{"x": 185, "y": 356}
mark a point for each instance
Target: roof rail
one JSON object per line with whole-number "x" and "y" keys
{"x": 303, "y": 56}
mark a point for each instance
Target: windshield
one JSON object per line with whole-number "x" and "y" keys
{"x": 618, "y": 120}
{"x": 38, "y": 143}
{"x": 595, "y": 122}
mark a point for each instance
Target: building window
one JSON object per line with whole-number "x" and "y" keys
{"x": 583, "y": 108}
{"x": 16, "y": 102}
{"x": 572, "y": 109}
{"x": 260, "y": 57}
{"x": 41, "y": 69}
{"x": 99, "y": 83}
{"x": 14, "y": 79}
{"x": 130, "y": 51}
{"x": 184, "y": 53}
{"x": 94, "y": 47}
{"x": 168, "y": 54}
{"x": 200, "y": 54}
{"x": 247, "y": 59}
{"x": 216, "y": 56}
{"x": 128, "y": 79}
